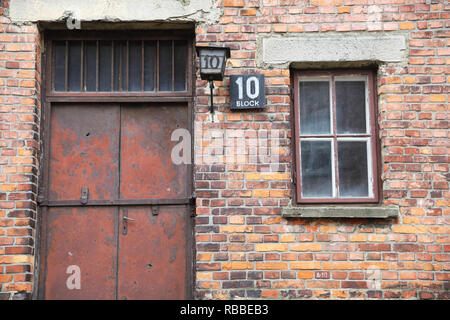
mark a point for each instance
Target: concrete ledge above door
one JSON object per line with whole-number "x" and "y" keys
{"x": 202, "y": 11}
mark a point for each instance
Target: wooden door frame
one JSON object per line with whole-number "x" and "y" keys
{"x": 48, "y": 99}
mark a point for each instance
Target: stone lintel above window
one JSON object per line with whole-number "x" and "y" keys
{"x": 354, "y": 47}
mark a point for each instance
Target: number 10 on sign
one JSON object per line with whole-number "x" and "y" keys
{"x": 247, "y": 92}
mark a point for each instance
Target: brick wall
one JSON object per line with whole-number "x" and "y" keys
{"x": 19, "y": 140}
{"x": 245, "y": 248}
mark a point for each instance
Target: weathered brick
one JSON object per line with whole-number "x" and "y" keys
{"x": 305, "y": 265}
{"x": 306, "y": 247}
{"x": 271, "y": 247}
{"x": 233, "y": 3}
{"x": 271, "y": 265}
{"x": 237, "y": 266}
{"x": 245, "y": 249}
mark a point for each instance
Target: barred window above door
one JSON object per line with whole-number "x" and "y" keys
{"x": 110, "y": 65}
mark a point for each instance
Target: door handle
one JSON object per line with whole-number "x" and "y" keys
{"x": 125, "y": 220}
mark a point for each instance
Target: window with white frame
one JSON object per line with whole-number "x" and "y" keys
{"x": 335, "y": 133}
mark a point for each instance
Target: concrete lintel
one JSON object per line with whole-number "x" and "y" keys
{"x": 203, "y": 11}
{"x": 352, "y": 47}
{"x": 339, "y": 212}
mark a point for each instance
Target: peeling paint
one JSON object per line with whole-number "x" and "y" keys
{"x": 201, "y": 11}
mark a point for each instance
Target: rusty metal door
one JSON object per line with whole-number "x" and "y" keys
{"x": 116, "y": 212}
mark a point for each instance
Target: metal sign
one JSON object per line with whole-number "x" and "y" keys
{"x": 247, "y": 92}
{"x": 212, "y": 62}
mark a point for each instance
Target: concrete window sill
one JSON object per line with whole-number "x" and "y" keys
{"x": 339, "y": 212}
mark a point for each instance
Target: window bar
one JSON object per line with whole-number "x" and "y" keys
{"x": 84, "y": 66}
{"x": 81, "y": 67}
{"x": 367, "y": 105}
{"x": 53, "y": 64}
{"x": 142, "y": 65}
{"x": 157, "y": 67}
{"x": 173, "y": 65}
{"x": 112, "y": 65}
{"x": 96, "y": 66}
{"x": 188, "y": 74}
{"x": 189, "y": 70}
{"x": 347, "y": 135}
{"x": 53, "y": 68}
{"x": 127, "y": 52}
{"x": 120, "y": 75}
{"x": 66, "y": 76}
{"x": 370, "y": 182}
{"x": 335, "y": 149}
{"x": 372, "y": 118}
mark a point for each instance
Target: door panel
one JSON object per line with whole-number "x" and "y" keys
{"x": 147, "y": 171}
{"x": 153, "y": 253}
{"x": 120, "y": 152}
{"x": 84, "y": 238}
{"x": 84, "y": 151}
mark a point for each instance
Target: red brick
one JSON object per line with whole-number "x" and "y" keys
{"x": 233, "y": 3}
{"x": 245, "y": 248}
{"x": 12, "y": 65}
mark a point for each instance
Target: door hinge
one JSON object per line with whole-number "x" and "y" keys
{"x": 41, "y": 195}
{"x": 192, "y": 203}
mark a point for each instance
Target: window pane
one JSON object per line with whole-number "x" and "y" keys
{"x": 74, "y": 66}
{"x": 316, "y": 169}
{"x": 60, "y": 65}
{"x": 314, "y": 107}
{"x": 180, "y": 65}
{"x": 353, "y": 174}
{"x": 165, "y": 65}
{"x": 351, "y": 106}
{"x": 104, "y": 71}
{"x": 149, "y": 65}
{"x": 91, "y": 65}
{"x": 135, "y": 65}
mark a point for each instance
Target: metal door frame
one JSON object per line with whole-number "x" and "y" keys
{"x": 48, "y": 99}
